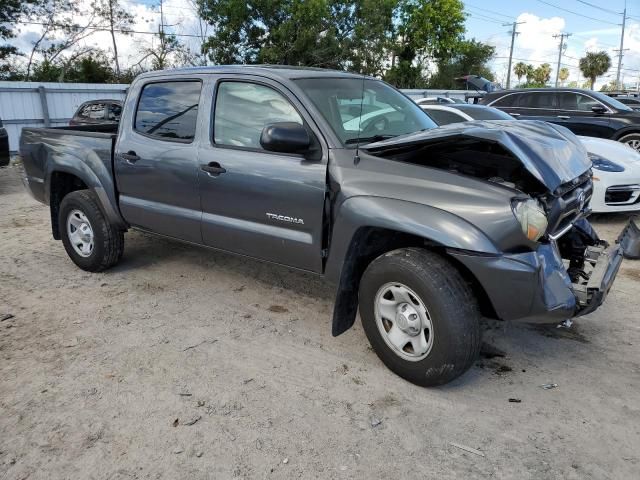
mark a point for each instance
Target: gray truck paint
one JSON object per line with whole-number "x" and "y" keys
{"x": 333, "y": 192}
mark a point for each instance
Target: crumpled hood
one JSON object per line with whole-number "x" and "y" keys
{"x": 551, "y": 153}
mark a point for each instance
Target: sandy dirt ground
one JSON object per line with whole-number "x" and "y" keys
{"x": 183, "y": 363}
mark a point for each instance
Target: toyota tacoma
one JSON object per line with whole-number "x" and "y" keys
{"x": 424, "y": 230}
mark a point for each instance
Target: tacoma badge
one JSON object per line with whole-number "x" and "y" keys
{"x": 285, "y": 218}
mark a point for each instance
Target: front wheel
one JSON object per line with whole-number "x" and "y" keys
{"x": 633, "y": 140}
{"x": 90, "y": 240}
{"x": 420, "y": 316}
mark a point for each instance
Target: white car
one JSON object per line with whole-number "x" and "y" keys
{"x": 616, "y": 166}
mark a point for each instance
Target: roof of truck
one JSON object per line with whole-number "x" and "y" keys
{"x": 279, "y": 71}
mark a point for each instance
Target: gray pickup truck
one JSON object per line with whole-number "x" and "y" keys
{"x": 423, "y": 229}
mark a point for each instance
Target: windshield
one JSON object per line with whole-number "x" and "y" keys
{"x": 611, "y": 101}
{"x": 381, "y": 113}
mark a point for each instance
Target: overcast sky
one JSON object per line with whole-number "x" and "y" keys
{"x": 594, "y": 25}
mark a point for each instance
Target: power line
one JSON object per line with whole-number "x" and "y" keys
{"x": 484, "y": 17}
{"x": 483, "y": 10}
{"x": 575, "y": 13}
{"x": 598, "y": 7}
{"x": 102, "y": 29}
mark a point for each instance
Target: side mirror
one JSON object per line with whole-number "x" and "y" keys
{"x": 598, "y": 109}
{"x": 285, "y": 137}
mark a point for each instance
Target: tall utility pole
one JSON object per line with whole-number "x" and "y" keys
{"x": 621, "y": 50}
{"x": 562, "y": 36}
{"x": 514, "y": 32}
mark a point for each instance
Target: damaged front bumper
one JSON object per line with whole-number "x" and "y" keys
{"x": 535, "y": 287}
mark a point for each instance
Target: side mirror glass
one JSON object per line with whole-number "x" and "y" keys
{"x": 285, "y": 137}
{"x": 598, "y": 109}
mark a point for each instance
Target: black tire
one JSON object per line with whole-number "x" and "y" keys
{"x": 108, "y": 241}
{"x": 631, "y": 140}
{"x": 452, "y": 306}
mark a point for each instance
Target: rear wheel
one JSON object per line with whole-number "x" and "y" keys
{"x": 633, "y": 140}
{"x": 89, "y": 239}
{"x": 420, "y": 316}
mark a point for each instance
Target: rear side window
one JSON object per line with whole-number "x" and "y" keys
{"x": 169, "y": 110}
{"x": 93, "y": 111}
{"x": 442, "y": 117}
{"x": 244, "y": 109}
{"x": 114, "y": 112}
{"x": 506, "y": 101}
{"x": 536, "y": 100}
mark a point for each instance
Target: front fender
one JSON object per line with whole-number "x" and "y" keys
{"x": 432, "y": 224}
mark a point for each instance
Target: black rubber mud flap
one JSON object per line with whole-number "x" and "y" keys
{"x": 629, "y": 240}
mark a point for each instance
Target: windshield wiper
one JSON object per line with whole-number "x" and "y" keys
{"x": 371, "y": 139}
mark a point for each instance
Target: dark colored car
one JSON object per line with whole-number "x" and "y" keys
{"x": 584, "y": 112}
{"x": 419, "y": 227}
{"x": 633, "y": 102}
{"x": 4, "y": 146}
{"x": 96, "y": 112}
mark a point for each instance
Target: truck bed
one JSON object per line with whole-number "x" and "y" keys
{"x": 42, "y": 148}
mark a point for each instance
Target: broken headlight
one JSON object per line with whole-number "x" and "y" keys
{"x": 532, "y": 218}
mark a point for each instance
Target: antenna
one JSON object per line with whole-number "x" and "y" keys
{"x": 356, "y": 159}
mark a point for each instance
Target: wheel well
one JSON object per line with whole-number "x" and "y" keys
{"x": 625, "y": 133}
{"x": 62, "y": 183}
{"x": 369, "y": 243}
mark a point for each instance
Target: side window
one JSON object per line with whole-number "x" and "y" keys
{"x": 114, "y": 112}
{"x": 506, "y": 101}
{"x": 244, "y": 109}
{"x": 536, "y": 100}
{"x": 94, "y": 111}
{"x": 586, "y": 103}
{"x": 169, "y": 110}
{"x": 568, "y": 101}
{"x": 442, "y": 117}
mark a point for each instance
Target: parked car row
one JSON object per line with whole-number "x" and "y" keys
{"x": 584, "y": 112}
{"x": 616, "y": 186}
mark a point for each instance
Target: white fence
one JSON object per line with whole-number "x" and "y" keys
{"x": 35, "y": 104}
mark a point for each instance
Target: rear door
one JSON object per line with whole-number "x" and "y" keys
{"x": 156, "y": 159}
{"x": 258, "y": 203}
{"x": 535, "y": 106}
{"x": 575, "y": 112}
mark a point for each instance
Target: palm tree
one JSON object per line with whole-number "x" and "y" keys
{"x": 563, "y": 75}
{"x": 520, "y": 69}
{"x": 594, "y": 64}
{"x": 530, "y": 73}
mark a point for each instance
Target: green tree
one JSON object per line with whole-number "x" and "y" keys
{"x": 563, "y": 75}
{"x": 425, "y": 30}
{"x": 594, "y": 64}
{"x": 542, "y": 74}
{"x": 471, "y": 58}
{"x": 80, "y": 67}
{"x": 11, "y": 12}
{"x": 116, "y": 19}
{"x": 520, "y": 69}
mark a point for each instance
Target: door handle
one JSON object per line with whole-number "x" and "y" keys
{"x": 514, "y": 114}
{"x": 563, "y": 117}
{"x": 213, "y": 169}
{"x": 130, "y": 157}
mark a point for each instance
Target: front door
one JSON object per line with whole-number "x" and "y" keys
{"x": 156, "y": 161}
{"x": 575, "y": 112}
{"x": 255, "y": 202}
